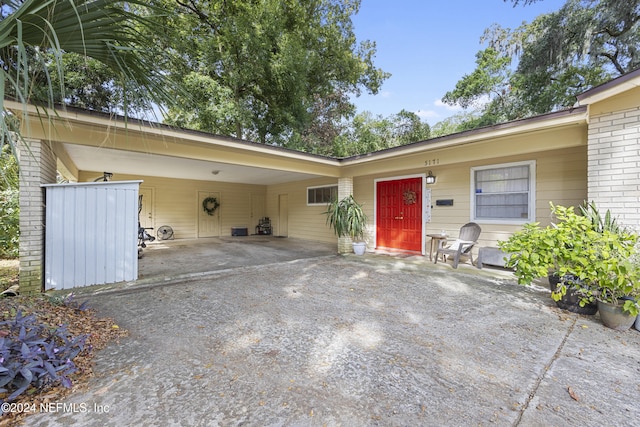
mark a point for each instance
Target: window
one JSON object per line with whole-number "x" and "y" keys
{"x": 503, "y": 193}
{"x": 321, "y": 195}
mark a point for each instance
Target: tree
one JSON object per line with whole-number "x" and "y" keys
{"x": 408, "y": 128}
{"x": 367, "y": 133}
{"x": 490, "y": 79}
{"x": 262, "y": 67}
{"x": 35, "y": 35}
{"x": 559, "y": 55}
{"x": 89, "y": 84}
{"x": 328, "y": 120}
{"x": 465, "y": 120}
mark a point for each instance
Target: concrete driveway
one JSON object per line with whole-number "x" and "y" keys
{"x": 354, "y": 341}
{"x": 171, "y": 260}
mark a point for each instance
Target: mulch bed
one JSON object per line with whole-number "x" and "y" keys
{"x": 53, "y": 312}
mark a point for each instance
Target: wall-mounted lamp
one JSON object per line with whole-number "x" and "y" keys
{"x": 431, "y": 179}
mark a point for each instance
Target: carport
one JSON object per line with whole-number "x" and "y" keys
{"x": 174, "y": 164}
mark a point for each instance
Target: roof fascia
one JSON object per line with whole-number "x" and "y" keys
{"x": 547, "y": 121}
{"x": 611, "y": 88}
{"x": 120, "y": 123}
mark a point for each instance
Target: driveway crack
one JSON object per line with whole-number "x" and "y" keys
{"x": 543, "y": 375}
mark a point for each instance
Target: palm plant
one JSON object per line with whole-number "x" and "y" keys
{"x": 35, "y": 31}
{"x": 347, "y": 218}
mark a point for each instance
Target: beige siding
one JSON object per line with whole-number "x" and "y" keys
{"x": 561, "y": 178}
{"x": 176, "y": 203}
{"x": 560, "y": 174}
{"x": 305, "y": 222}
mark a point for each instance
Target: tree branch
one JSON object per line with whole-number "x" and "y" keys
{"x": 191, "y": 5}
{"x": 614, "y": 60}
{"x": 627, "y": 27}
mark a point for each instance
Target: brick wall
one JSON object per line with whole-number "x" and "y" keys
{"x": 614, "y": 164}
{"x": 37, "y": 166}
{"x": 345, "y": 189}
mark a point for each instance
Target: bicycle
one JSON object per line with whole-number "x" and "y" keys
{"x": 143, "y": 236}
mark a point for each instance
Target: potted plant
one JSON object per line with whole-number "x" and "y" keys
{"x": 616, "y": 277}
{"x": 552, "y": 252}
{"x": 593, "y": 261}
{"x": 347, "y": 218}
{"x": 609, "y": 268}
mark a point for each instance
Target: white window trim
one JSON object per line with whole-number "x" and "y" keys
{"x": 306, "y": 194}
{"x": 532, "y": 194}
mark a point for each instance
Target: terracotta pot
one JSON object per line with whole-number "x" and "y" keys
{"x": 614, "y": 317}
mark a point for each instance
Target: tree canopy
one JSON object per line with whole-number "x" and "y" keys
{"x": 367, "y": 133}
{"x": 36, "y": 36}
{"x": 264, "y": 69}
{"x": 284, "y": 72}
{"x": 557, "y": 56}
{"x": 277, "y": 72}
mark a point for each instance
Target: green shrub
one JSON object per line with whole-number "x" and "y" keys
{"x": 9, "y": 204}
{"x": 9, "y": 223}
{"x": 598, "y": 253}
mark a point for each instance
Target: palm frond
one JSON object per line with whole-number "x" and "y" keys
{"x": 105, "y": 30}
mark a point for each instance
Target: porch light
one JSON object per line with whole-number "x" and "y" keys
{"x": 431, "y": 179}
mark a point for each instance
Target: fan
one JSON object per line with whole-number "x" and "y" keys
{"x": 165, "y": 233}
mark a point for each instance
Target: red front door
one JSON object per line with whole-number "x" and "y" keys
{"x": 399, "y": 214}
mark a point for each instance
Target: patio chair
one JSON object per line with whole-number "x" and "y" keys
{"x": 462, "y": 246}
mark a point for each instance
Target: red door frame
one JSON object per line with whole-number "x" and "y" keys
{"x": 423, "y": 210}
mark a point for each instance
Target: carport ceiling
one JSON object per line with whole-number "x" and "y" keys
{"x": 132, "y": 163}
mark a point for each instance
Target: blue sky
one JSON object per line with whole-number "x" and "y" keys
{"x": 428, "y": 45}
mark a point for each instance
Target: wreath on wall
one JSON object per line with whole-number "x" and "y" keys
{"x": 210, "y": 204}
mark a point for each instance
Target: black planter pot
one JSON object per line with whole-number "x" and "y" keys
{"x": 571, "y": 300}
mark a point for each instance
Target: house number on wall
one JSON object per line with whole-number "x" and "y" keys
{"x": 432, "y": 162}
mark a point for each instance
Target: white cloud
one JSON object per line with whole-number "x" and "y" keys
{"x": 428, "y": 114}
{"x": 439, "y": 103}
{"x": 440, "y": 111}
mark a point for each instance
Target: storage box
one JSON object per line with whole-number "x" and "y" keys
{"x": 492, "y": 256}
{"x": 239, "y": 231}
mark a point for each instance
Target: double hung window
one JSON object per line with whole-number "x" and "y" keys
{"x": 503, "y": 193}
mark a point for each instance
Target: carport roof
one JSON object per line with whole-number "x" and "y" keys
{"x": 94, "y": 141}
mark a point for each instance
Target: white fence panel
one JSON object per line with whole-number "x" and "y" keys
{"x": 91, "y": 233}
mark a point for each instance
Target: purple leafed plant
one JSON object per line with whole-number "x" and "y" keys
{"x": 32, "y": 353}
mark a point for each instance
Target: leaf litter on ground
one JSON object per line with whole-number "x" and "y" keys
{"x": 79, "y": 320}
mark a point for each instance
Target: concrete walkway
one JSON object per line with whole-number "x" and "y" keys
{"x": 353, "y": 341}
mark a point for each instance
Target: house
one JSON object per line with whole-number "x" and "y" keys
{"x": 501, "y": 176}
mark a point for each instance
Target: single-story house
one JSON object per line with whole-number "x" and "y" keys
{"x": 500, "y": 177}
